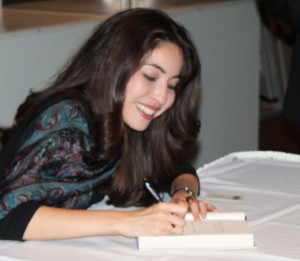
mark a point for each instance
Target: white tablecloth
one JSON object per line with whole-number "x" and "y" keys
{"x": 269, "y": 186}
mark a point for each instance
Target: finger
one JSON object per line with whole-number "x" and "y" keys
{"x": 176, "y": 221}
{"x": 203, "y": 209}
{"x": 178, "y": 209}
{"x": 172, "y": 229}
{"x": 210, "y": 207}
{"x": 194, "y": 208}
{"x": 171, "y": 213}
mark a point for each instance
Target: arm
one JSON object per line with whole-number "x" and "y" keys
{"x": 186, "y": 181}
{"x": 54, "y": 223}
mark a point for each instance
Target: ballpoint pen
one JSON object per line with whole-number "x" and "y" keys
{"x": 151, "y": 189}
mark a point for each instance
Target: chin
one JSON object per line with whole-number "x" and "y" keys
{"x": 138, "y": 128}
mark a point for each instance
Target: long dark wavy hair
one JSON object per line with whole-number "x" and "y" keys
{"x": 97, "y": 76}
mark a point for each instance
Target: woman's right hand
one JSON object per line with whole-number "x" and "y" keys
{"x": 159, "y": 219}
{"x": 50, "y": 223}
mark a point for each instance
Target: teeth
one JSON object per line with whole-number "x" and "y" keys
{"x": 145, "y": 109}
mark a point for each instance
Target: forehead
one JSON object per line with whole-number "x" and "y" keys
{"x": 162, "y": 47}
{"x": 165, "y": 54}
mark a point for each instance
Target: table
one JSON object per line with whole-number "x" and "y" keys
{"x": 269, "y": 186}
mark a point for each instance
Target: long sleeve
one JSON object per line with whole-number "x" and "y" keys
{"x": 186, "y": 168}
{"x": 13, "y": 226}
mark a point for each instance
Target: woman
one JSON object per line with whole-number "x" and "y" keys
{"x": 123, "y": 109}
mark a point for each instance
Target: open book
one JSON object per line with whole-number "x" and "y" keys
{"x": 219, "y": 230}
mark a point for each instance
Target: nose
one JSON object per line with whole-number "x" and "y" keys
{"x": 160, "y": 93}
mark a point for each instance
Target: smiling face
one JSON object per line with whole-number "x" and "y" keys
{"x": 150, "y": 91}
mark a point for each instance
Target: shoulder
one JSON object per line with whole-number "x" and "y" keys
{"x": 62, "y": 115}
{"x": 66, "y": 113}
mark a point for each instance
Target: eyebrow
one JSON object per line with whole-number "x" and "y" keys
{"x": 161, "y": 69}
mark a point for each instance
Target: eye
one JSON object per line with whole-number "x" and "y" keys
{"x": 172, "y": 87}
{"x": 149, "y": 78}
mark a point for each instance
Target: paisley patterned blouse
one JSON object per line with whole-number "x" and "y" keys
{"x": 53, "y": 166}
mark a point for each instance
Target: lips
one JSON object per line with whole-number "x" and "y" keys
{"x": 146, "y": 112}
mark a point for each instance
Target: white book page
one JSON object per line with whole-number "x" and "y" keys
{"x": 220, "y": 216}
{"x": 194, "y": 228}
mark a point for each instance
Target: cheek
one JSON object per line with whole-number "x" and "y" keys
{"x": 171, "y": 99}
{"x": 137, "y": 87}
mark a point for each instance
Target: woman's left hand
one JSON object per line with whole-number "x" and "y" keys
{"x": 197, "y": 207}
